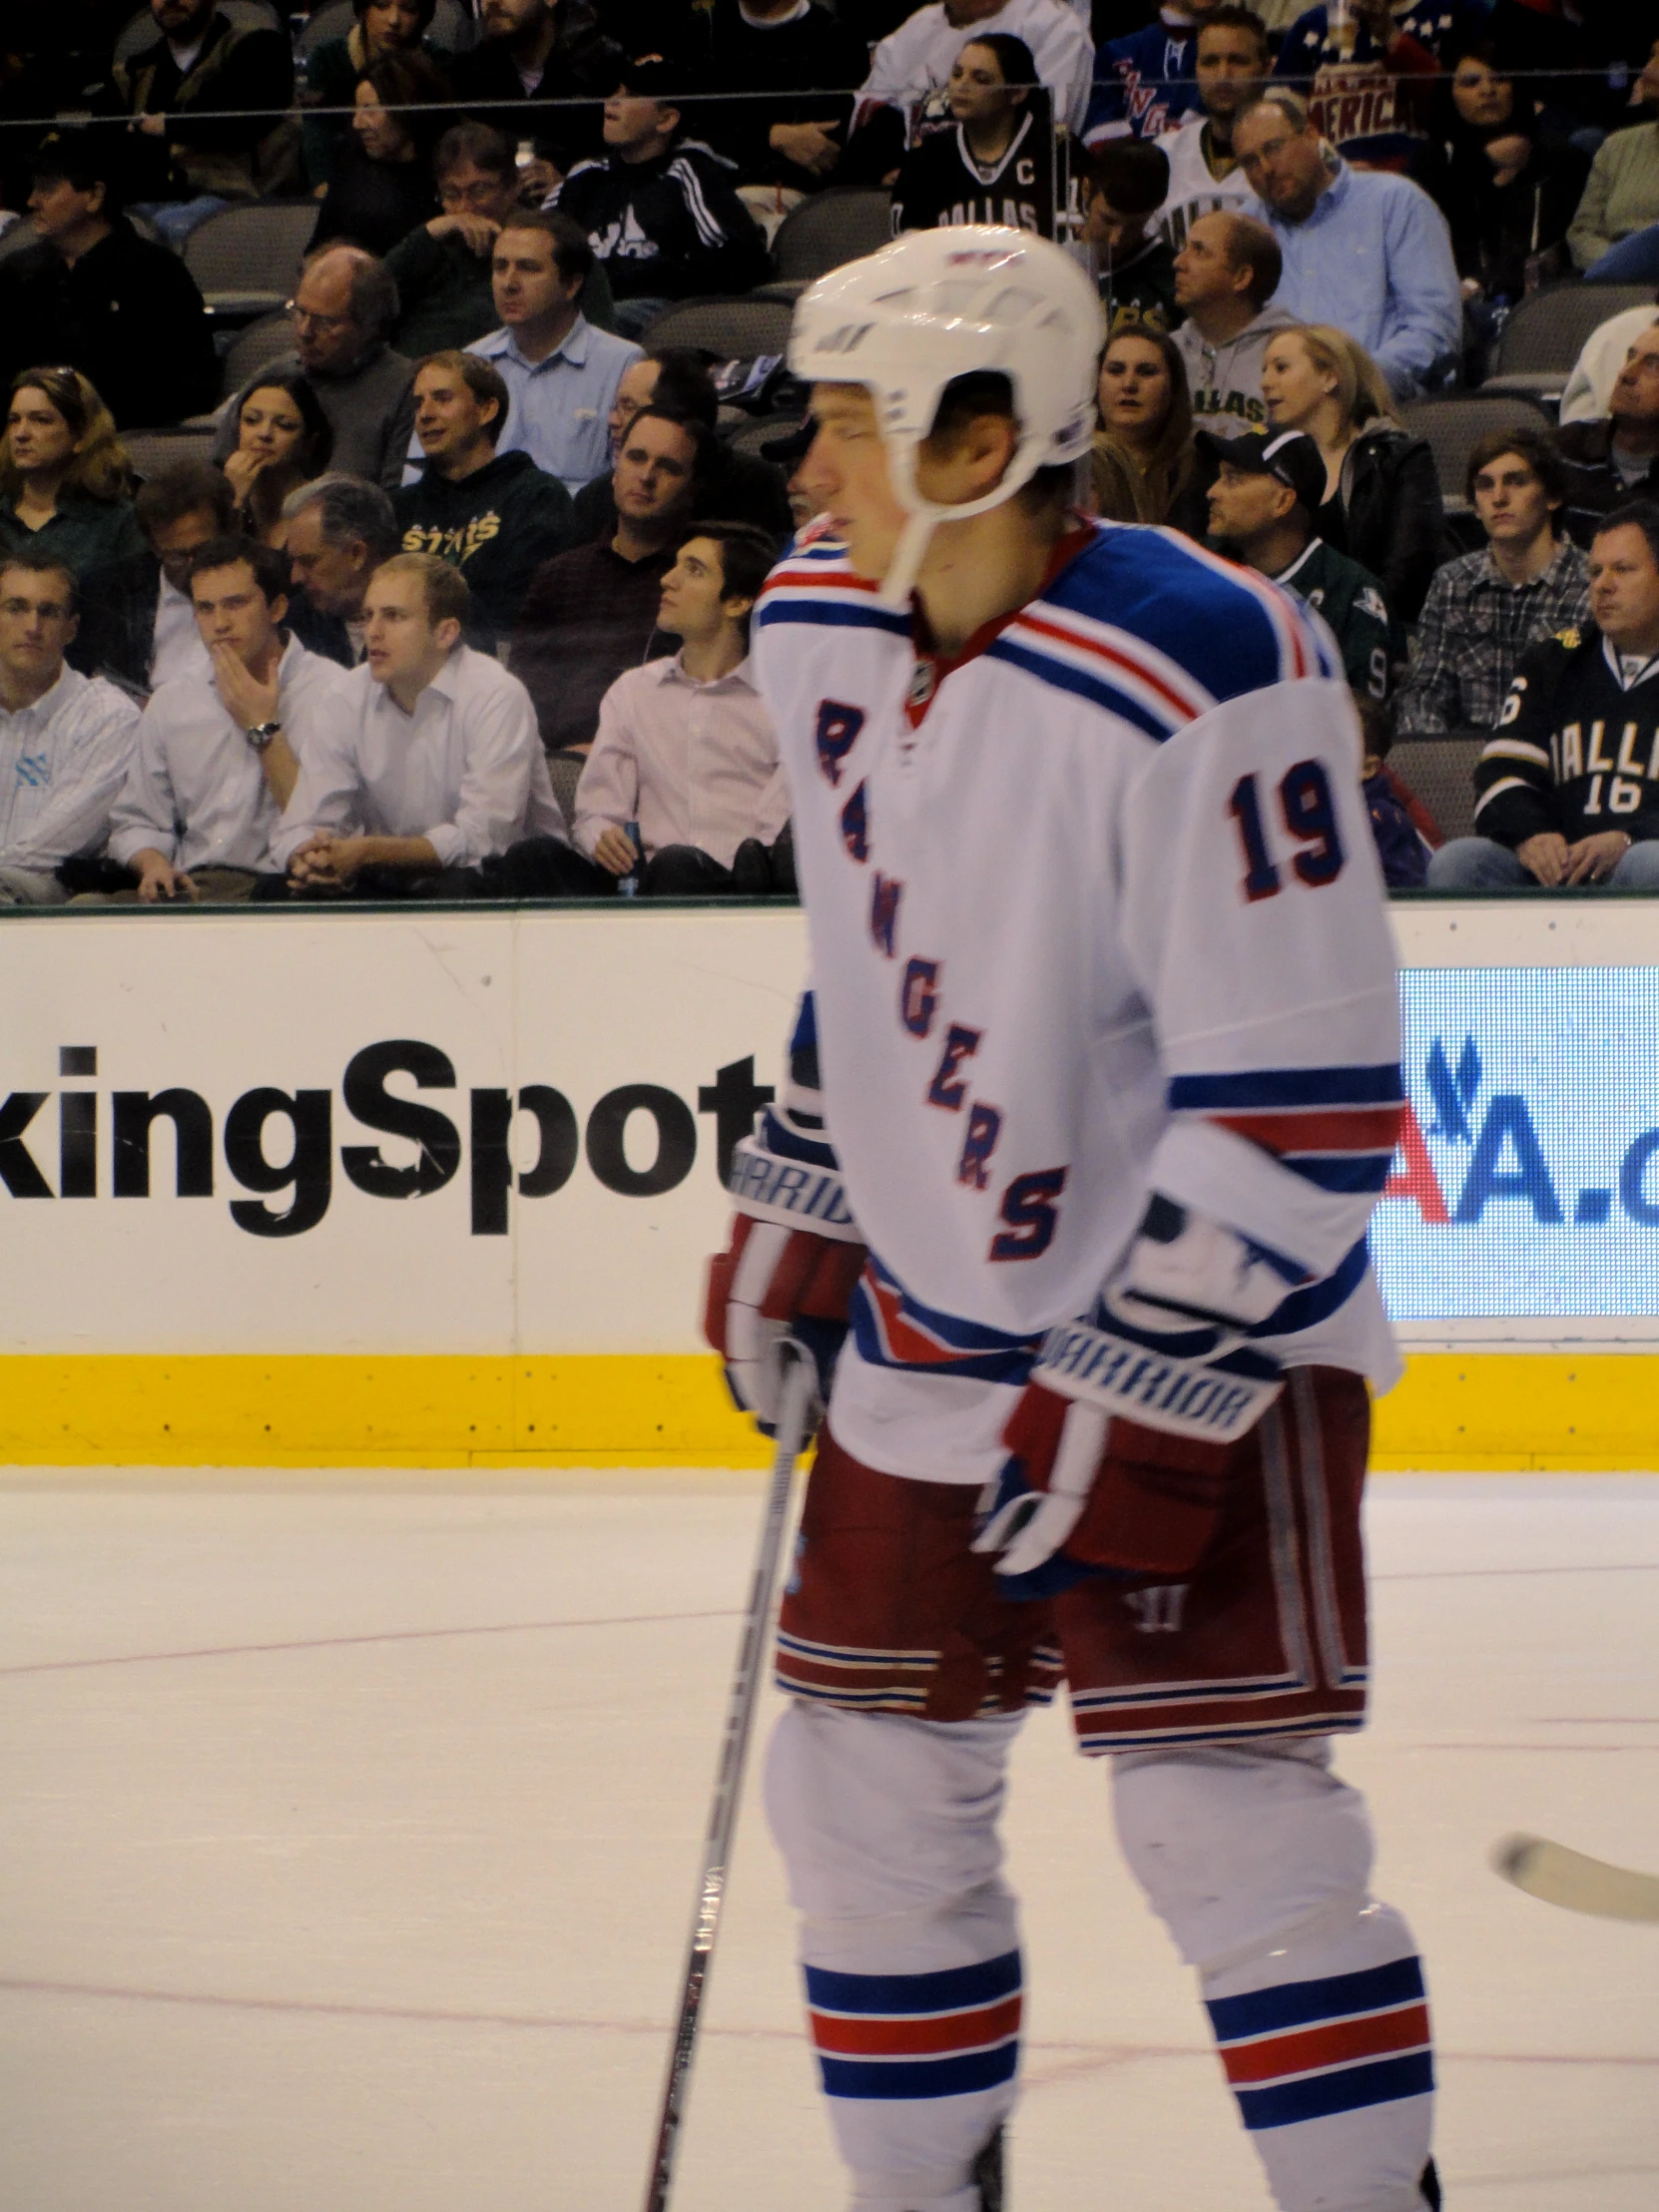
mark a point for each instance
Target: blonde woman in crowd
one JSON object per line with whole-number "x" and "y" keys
{"x": 1143, "y": 467}
{"x": 64, "y": 476}
{"x": 1383, "y": 497}
{"x": 283, "y": 440}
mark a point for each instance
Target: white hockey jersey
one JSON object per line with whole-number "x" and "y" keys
{"x": 1194, "y": 188}
{"x": 1094, "y": 911}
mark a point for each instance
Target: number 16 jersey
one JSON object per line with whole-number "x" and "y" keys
{"x": 1094, "y": 914}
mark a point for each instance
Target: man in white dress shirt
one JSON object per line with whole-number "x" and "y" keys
{"x": 65, "y": 738}
{"x": 426, "y": 762}
{"x": 686, "y": 751}
{"x": 218, "y": 753}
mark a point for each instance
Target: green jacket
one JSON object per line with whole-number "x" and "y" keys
{"x": 446, "y": 300}
{"x": 496, "y": 526}
{"x": 1351, "y": 600}
{"x": 95, "y": 537}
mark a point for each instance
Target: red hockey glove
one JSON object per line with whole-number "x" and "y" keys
{"x": 791, "y": 1270}
{"x": 1119, "y": 1449}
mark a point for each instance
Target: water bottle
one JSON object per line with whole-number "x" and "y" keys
{"x": 628, "y": 886}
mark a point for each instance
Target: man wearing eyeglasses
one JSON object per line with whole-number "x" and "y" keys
{"x": 342, "y": 312}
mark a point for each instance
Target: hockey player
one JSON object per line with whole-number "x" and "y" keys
{"x": 1092, "y": 1136}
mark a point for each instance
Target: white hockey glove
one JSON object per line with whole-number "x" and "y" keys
{"x": 789, "y": 1271}
{"x": 1121, "y": 1443}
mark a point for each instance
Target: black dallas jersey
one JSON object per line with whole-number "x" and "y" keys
{"x": 941, "y": 184}
{"x": 1576, "y": 748}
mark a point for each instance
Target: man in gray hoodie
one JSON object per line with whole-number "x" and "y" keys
{"x": 1224, "y": 278}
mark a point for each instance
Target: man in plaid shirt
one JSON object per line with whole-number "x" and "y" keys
{"x": 1483, "y": 610}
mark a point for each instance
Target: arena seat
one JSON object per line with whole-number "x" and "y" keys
{"x": 266, "y": 341}
{"x": 1546, "y": 334}
{"x": 731, "y": 329}
{"x": 17, "y": 236}
{"x": 245, "y": 258}
{"x": 1454, "y": 426}
{"x": 151, "y": 450}
{"x": 1441, "y": 772}
{"x": 831, "y": 228}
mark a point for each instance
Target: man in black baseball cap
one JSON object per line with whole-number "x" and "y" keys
{"x": 1269, "y": 486}
{"x": 93, "y": 294}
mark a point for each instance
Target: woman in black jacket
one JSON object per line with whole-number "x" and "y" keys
{"x": 382, "y": 188}
{"x": 1382, "y": 496}
{"x": 1507, "y": 194}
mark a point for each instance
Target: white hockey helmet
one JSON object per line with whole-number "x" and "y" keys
{"x": 938, "y": 305}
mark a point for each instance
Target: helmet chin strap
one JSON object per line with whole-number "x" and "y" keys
{"x": 923, "y": 517}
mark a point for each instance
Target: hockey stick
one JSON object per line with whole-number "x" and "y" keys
{"x": 794, "y": 1424}
{"x": 1579, "y": 1885}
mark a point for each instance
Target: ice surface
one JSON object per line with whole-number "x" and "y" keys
{"x": 350, "y": 1825}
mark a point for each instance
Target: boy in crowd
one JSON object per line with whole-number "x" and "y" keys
{"x": 1485, "y": 609}
{"x": 494, "y": 516}
{"x": 218, "y": 754}
{"x": 686, "y": 749}
{"x": 424, "y": 762}
{"x": 65, "y": 738}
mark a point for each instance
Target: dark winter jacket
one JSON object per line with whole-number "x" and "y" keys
{"x": 1498, "y": 229}
{"x": 127, "y": 314}
{"x": 239, "y": 68}
{"x": 496, "y": 526}
{"x": 671, "y": 228}
{"x": 374, "y": 203}
{"x": 1388, "y": 515}
{"x": 583, "y": 64}
{"x": 1594, "y": 485}
{"x": 815, "y": 52}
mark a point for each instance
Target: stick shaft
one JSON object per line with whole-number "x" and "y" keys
{"x": 793, "y": 1422}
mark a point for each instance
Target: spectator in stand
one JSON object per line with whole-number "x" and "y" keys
{"x": 1615, "y": 459}
{"x": 1224, "y": 278}
{"x": 333, "y": 70}
{"x": 590, "y": 613}
{"x": 425, "y": 763}
{"x": 561, "y": 373}
{"x": 382, "y": 188}
{"x": 443, "y": 268}
{"x": 1402, "y": 827}
{"x": 661, "y": 211}
{"x": 734, "y": 486}
{"x": 63, "y": 478}
{"x": 142, "y": 626}
{"x": 342, "y": 308}
{"x": 1124, "y": 183}
{"x": 542, "y": 50}
{"x": 65, "y": 738}
{"x": 218, "y": 753}
{"x": 686, "y": 749}
{"x": 495, "y": 516}
{"x": 1382, "y": 496}
{"x": 779, "y": 64}
{"x": 1589, "y": 389}
{"x": 1266, "y": 491}
{"x": 1143, "y": 467}
{"x": 996, "y": 163}
{"x": 1364, "y": 250}
{"x": 237, "y": 76}
{"x": 1367, "y": 74}
{"x": 1485, "y": 609}
{"x": 906, "y": 92}
{"x": 1566, "y": 787}
{"x": 339, "y": 531}
{"x": 122, "y": 310}
{"x": 1204, "y": 174}
{"x": 1144, "y": 82}
{"x": 1614, "y": 237}
{"x": 283, "y": 440}
{"x": 1506, "y": 192}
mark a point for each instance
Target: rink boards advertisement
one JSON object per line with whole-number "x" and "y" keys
{"x": 455, "y": 1175}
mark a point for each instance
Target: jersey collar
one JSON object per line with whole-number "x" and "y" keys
{"x": 933, "y": 667}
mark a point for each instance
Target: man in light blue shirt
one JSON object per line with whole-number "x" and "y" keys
{"x": 1364, "y": 250}
{"x": 561, "y": 373}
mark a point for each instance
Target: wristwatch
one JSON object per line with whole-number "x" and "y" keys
{"x": 260, "y": 734}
